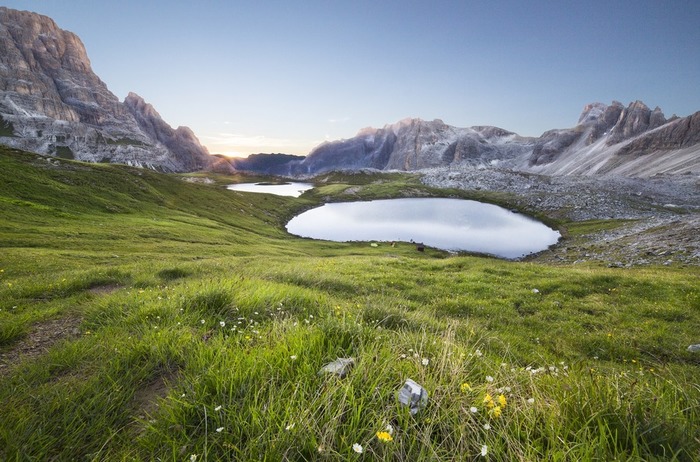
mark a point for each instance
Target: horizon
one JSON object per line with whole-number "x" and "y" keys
{"x": 277, "y": 78}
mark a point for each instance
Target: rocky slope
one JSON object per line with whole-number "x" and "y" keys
{"x": 410, "y": 144}
{"x": 611, "y": 140}
{"x": 658, "y": 217}
{"x": 618, "y": 140}
{"x": 51, "y": 102}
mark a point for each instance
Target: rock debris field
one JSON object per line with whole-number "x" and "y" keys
{"x": 663, "y": 212}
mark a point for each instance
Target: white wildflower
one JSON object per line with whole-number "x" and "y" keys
{"x": 473, "y": 409}
{"x": 425, "y": 361}
{"x": 489, "y": 378}
{"x": 217, "y": 408}
{"x": 219, "y": 430}
{"x": 357, "y": 448}
{"x": 484, "y": 450}
{"x": 222, "y": 323}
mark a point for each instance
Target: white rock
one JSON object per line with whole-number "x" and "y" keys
{"x": 413, "y": 395}
{"x": 340, "y": 367}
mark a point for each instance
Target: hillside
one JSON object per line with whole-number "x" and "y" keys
{"x": 144, "y": 317}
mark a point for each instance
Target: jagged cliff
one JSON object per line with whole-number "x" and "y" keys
{"x": 607, "y": 140}
{"x": 618, "y": 140}
{"x": 410, "y": 144}
{"x": 51, "y": 102}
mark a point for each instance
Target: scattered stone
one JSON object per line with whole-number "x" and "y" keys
{"x": 340, "y": 367}
{"x": 650, "y": 229}
{"x": 694, "y": 348}
{"x": 413, "y": 395}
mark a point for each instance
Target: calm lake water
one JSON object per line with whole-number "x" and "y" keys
{"x": 447, "y": 224}
{"x": 287, "y": 189}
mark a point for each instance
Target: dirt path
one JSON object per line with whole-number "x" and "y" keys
{"x": 39, "y": 339}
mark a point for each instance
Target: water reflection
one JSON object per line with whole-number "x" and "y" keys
{"x": 448, "y": 224}
{"x": 285, "y": 189}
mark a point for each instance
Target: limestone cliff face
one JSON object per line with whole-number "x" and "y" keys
{"x": 607, "y": 140}
{"x": 51, "y": 102}
{"x": 414, "y": 144}
{"x": 181, "y": 142}
{"x": 614, "y": 139}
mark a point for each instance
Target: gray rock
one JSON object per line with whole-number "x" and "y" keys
{"x": 340, "y": 367}
{"x": 413, "y": 395}
{"x": 611, "y": 140}
{"x": 51, "y": 102}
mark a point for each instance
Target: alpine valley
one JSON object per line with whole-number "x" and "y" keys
{"x": 150, "y": 313}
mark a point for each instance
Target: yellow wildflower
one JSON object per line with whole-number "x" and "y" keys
{"x": 465, "y": 387}
{"x": 488, "y": 401}
{"x": 502, "y": 401}
{"x": 384, "y": 437}
{"x": 496, "y": 411}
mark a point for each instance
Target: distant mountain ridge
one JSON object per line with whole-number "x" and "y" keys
{"x": 51, "y": 102}
{"x": 608, "y": 140}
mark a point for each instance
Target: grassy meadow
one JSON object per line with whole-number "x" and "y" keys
{"x": 144, "y": 317}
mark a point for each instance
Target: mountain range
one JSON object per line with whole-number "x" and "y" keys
{"x": 51, "y": 102}
{"x": 607, "y": 140}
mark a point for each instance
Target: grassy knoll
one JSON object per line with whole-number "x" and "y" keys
{"x": 143, "y": 317}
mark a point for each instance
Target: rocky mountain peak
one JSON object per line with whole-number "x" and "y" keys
{"x": 634, "y": 120}
{"x": 591, "y": 113}
{"x": 57, "y": 105}
{"x": 137, "y": 104}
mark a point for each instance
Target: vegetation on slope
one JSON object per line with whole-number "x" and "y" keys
{"x": 143, "y": 317}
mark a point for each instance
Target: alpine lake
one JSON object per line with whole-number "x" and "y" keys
{"x": 453, "y": 225}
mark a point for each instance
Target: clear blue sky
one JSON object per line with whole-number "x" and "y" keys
{"x": 283, "y": 76}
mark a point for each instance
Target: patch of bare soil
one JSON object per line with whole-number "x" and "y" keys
{"x": 40, "y": 338}
{"x": 145, "y": 400}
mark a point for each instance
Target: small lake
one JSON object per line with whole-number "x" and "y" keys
{"x": 284, "y": 189}
{"x": 448, "y": 224}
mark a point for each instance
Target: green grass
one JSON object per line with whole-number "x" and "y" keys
{"x": 203, "y": 327}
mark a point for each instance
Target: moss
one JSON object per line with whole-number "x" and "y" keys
{"x": 6, "y": 128}
{"x": 64, "y": 152}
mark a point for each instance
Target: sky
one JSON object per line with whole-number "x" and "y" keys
{"x": 285, "y": 76}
